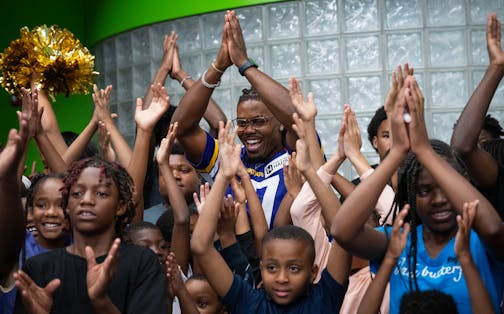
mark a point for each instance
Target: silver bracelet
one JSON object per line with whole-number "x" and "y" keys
{"x": 184, "y": 79}
{"x": 208, "y": 85}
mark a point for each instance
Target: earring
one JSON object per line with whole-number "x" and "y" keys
{"x": 281, "y": 128}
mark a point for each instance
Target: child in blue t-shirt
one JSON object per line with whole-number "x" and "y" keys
{"x": 429, "y": 301}
{"x": 431, "y": 182}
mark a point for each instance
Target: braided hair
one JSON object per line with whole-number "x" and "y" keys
{"x": 492, "y": 126}
{"x": 109, "y": 170}
{"x": 496, "y": 149}
{"x": 36, "y": 182}
{"x": 407, "y": 193}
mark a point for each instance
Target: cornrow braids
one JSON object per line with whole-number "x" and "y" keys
{"x": 492, "y": 126}
{"x": 496, "y": 149}
{"x": 406, "y": 194}
{"x": 109, "y": 170}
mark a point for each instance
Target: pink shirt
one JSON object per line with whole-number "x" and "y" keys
{"x": 307, "y": 214}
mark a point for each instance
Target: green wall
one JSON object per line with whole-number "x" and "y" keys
{"x": 110, "y": 17}
{"x": 91, "y": 21}
{"x": 72, "y": 112}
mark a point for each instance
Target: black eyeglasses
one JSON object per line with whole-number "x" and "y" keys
{"x": 255, "y": 123}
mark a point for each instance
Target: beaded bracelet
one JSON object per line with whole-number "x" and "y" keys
{"x": 185, "y": 79}
{"x": 208, "y": 85}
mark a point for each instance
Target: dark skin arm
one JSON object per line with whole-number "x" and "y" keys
{"x": 213, "y": 113}
{"x": 480, "y": 299}
{"x": 176, "y": 284}
{"x": 373, "y": 298}
{"x": 481, "y": 166}
{"x": 12, "y": 224}
{"x": 213, "y": 265}
{"x": 164, "y": 68}
{"x": 349, "y": 226}
{"x": 34, "y": 113}
{"x": 193, "y": 105}
{"x": 146, "y": 120}
{"x": 457, "y": 189}
{"x": 180, "y": 233}
{"x": 275, "y": 96}
{"x": 258, "y": 221}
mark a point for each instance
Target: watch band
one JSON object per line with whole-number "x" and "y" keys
{"x": 246, "y": 65}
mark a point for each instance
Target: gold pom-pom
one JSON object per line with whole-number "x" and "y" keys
{"x": 62, "y": 63}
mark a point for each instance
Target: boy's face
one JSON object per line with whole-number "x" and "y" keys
{"x": 204, "y": 296}
{"x": 93, "y": 203}
{"x": 185, "y": 175}
{"x": 381, "y": 142}
{"x": 286, "y": 270}
{"x": 152, "y": 239}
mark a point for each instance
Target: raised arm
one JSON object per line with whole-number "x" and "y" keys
{"x": 373, "y": 298}
{"x": 145, "y": 121}
{"x": 101, "y": 98}
{"x": 480, "y": 299}
{"x": 353, "y": 143}
{"x": 307, "y": 111}
{"x": 273, "y": 94}
{"x": 213, "y": 113}
{"x": 106, "y": 150}
{"x": 164, "y": 68}
{"x": 12, "y": 225}
{"x": 349, "y": 227}
{"x": 180, "y": 234}
{"x": 257, "y": 218}
{"x": 34, "y": 114}
{"x": 193, "y": 104}
{"x": 50, "y": 123}
{"x": 177, "y": 287}
{"x": 482, "y": 167}
{"x": 214, "y": 267}
{"x": 458, "y": 189}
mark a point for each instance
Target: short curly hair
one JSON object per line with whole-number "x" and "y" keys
{"x": 372, "y": 129}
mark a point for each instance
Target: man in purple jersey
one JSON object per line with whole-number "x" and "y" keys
{"x": 264, "y": 120}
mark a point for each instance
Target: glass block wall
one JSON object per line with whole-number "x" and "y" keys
{"x": 342, "y": 50}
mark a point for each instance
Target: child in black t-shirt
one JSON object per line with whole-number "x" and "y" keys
{"x": 98, "y": 199}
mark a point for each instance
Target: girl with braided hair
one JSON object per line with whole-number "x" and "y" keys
{"x": 433, "y": 185}
{"x": 89, "y": 276}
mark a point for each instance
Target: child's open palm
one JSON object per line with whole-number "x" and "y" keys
{"x": 99, "y": 275}
{"x": 493, "y": 35}
{"x": 229, "y": 152}
{"x": 307, "y": 110}
{"x": 464, "y": 222}
{"x": 147, "y": 118}
{"x": 200, "y": 201}
{"x": 398, "y": 237}
{"x": 292, "y": 177}
{"x": 37, "y": 300}
{"x": 163, "y": 154}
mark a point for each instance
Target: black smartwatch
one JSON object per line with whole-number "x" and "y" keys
{"x": 246, "y": 65}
